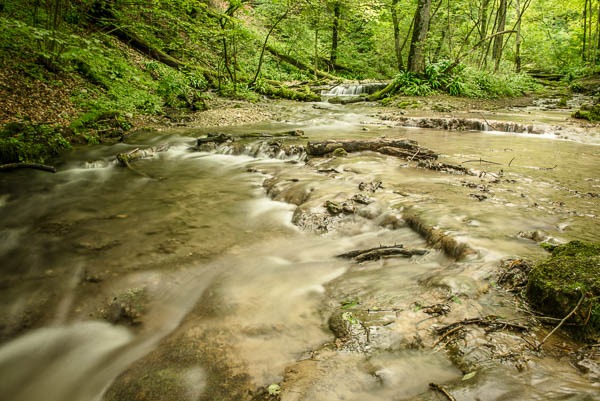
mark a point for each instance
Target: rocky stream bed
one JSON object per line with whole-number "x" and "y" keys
{"x": 334, "y": 255}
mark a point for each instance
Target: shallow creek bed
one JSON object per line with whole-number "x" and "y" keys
{"x": 384, "y": 263}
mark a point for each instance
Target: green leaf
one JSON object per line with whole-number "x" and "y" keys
{"x": 456, "y": 300}
{"x": 469, "y": 376}
{"x": 349, "y": 304}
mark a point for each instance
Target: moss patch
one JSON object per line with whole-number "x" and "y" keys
{"x": 556, "y": 284}
{"x": 588, "y": 112}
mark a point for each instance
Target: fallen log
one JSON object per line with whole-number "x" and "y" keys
{"x": 437, "y": 238}
{"x": 382, "y": 252}
{"x": 403, "y": 148}
{"x": 34, "y": 166}
{"x": 138, "y": 154}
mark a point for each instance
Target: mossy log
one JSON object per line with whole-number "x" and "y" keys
{"x": 389, "y": 89}
{"x": 285, "y": 93}
{"x": 556, "y": 285}
{"x": 403, "y": 148}
{"x": 35, "y": 166}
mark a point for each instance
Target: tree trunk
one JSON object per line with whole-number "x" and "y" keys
{"x": 499, "y": 40}
{"x": 518, "y": 40}
{"x": 316, "y": 53}
{"x": 597, "y": 41}
{"x": 485, "y": 5}
{"x": 334, "y": 33}
{"x": 397, "y": 36}
{"x": 585, "y": 20}
{"x": 262, "y": 52}
{"x": 416, "y": 57}
{"x": 589, "y": 50}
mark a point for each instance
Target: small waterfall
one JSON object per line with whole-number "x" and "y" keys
{"x": 264, "y": 150}
{"x": 354, "y": 89}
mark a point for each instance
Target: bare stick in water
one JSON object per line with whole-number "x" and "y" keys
{"x": 442, "y": 390}
{"x": 562, "y": 321}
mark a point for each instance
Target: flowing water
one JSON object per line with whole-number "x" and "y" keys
{"x": 196, "y": 285}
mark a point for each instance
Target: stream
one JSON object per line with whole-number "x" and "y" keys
{"x": 218, "y": 276}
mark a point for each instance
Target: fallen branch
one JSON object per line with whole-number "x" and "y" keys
{"x": 487, "y": 122}
{"x": 137, "y": 154}
{"x": 481, "y": 161}
{"x": 562, "y": 321}
{"x": 34, "y": 166}
{"x": 442, "y": 390}
{"x": 382, "y": 252}
{"x": 446, "y": 334}
{"x": 488, "y": 321}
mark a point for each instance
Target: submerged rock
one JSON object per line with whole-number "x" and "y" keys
{"x": 557, "y": 284}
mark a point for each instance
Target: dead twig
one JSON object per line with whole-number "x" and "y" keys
{"x": 562, "y": 321}
{"x": 439, "y": 340}
{"x": 511, "y": 160}
{"x": 481, "y": 161}
{"x": 413, "y": 156}
{"x": 487, "y": 122}
{"x": 442, "y": 390}
{"x": 488, "y": 321}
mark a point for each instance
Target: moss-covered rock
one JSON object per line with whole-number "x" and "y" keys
{"x": 588, "y": 112}
{"x": 556, "y": 285}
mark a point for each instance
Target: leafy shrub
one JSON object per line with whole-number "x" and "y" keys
{"x": 30, "y": 143}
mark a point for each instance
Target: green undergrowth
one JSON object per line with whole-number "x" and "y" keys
{"x": 558, "y": 283}
{"x": 458, "y": 81}
{"x": 30, "y": 143}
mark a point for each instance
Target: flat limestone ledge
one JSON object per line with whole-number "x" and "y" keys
{"x": 473, "y": 124}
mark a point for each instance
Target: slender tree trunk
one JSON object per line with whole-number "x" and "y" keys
{"x": 262, "y": 52}
{"x": 483, "y": 21}
{"x": 499, "y": 40}
{"x": 585, "y": 20}
{"x": 335, "y": 33}
{"x": 589, "y": 50}
{"x": 449, "y": 28}
{"x": 416, "y": 57}
{"x": 438, "y": 49}
{"x": 597, "y": 41}
{"x": 486, "y": 49}
{"x": 518, "y": 40}
{"x": 316, "y": 52}
{"x": 397, "y": 36}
